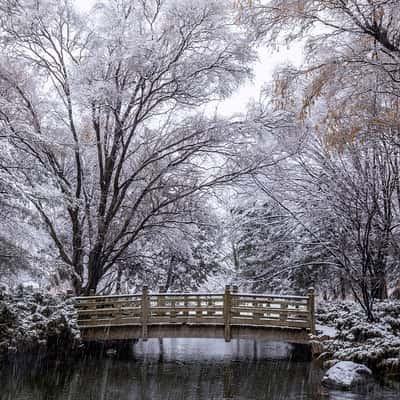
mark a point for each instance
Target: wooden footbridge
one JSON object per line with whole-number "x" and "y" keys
{"x": 196, "y": 315}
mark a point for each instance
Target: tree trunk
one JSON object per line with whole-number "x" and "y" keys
{"x": 342, "y": 287}
{"x": 379, "y": 284}
{"x": 119, "y": 278}
{"x": 367, "y": 303}
{"x": 236, "y": 262}
{"x": 76, "y": 284}
{"x": 170, "y": 275}
{"x": 95, "y": 269}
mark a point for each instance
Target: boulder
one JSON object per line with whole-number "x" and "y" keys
{"x": 346, "y": 375}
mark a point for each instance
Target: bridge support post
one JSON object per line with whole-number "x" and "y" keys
{"x": 227, "y": 313}
{"x": 145, "y": 303}
{"x": 311, "y": 310}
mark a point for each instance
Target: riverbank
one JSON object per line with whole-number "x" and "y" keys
{"x": 33, "y": 322}
{"x": 343, "y": 334}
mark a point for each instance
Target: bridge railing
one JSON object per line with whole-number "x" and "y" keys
{"x": 227, "y": 309}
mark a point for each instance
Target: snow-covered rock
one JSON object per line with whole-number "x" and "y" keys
{"x": 346, "y": 375}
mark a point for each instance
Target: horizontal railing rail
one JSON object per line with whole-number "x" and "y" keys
{"x": 227, "y": 309}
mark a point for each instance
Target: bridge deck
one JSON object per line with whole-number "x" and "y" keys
{"x": 228, "y": 315}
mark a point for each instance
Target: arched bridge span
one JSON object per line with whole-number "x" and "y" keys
{"x": 196, "y": 315}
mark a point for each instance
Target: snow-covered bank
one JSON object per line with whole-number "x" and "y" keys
{"x": 345, "y": 335}
{"x": 31, "y": 321}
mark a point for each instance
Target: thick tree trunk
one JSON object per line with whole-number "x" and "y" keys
{"x": 93, "y": 280}
{"x": 76, "y": 284}
{"x": 379, "y": 284}
{"x": 342, "y": 287}
{"x": 95, "y": 269}
{"x": 170, "y": 275}
{"x": 380, "y": 291}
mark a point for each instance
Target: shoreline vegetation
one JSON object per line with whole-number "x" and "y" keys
{"x": 35, "y": 322}
{"x": 343, "y": 334}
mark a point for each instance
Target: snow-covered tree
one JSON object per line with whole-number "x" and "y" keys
{"x": 99, "y": 110}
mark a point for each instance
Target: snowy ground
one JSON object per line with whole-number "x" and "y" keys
{"x": 347, "y": 336}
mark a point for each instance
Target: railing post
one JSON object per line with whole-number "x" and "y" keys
{"x": 227, "y": 314}
{"x": 283, "y": 313}
{"x": 145, "y": 303}
{"x": 93, "y": 304}
{"x": 234, "y": 299}
{"x": 311, "y": 309}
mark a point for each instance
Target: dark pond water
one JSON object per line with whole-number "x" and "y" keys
{"x": 181, "y": 369}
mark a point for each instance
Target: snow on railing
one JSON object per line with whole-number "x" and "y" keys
{"x": 228, "y": 309}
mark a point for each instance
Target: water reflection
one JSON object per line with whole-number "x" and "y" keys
{"x": 211, "y": 350}
{"x": 180, "y": 369}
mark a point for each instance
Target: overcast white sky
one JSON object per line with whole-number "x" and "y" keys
{"x": 263, "y": 71}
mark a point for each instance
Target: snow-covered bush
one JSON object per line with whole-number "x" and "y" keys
{"x": 31, "y": 320}
{"x": 374, "y": 344}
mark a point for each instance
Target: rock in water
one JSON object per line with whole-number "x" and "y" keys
{"x": 346, "y": 374}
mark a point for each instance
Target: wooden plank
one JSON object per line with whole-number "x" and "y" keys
{"x": 227, "y": 314}
{"x": 145, "y": 311}
{"x": 186, "y": 306}
{"x": 219, "y": 295}
{"x": 311, "y": 318}
{"x": 108, "y": 306}
{"x": 108, "y": 301}
{"x": 269, "y": 323}
{"x": 272, "y": 310}
{"x": 185, "y": 320}
{"x": 108, "y": 310}
{"x": 271, "y": 296}
{"x": 109, "y": 322}
{"x": 185, "y": 309}
{"x": 111, "y": 296}
{"x": 283, "y": 313}
{"x": 276, "y": 303}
